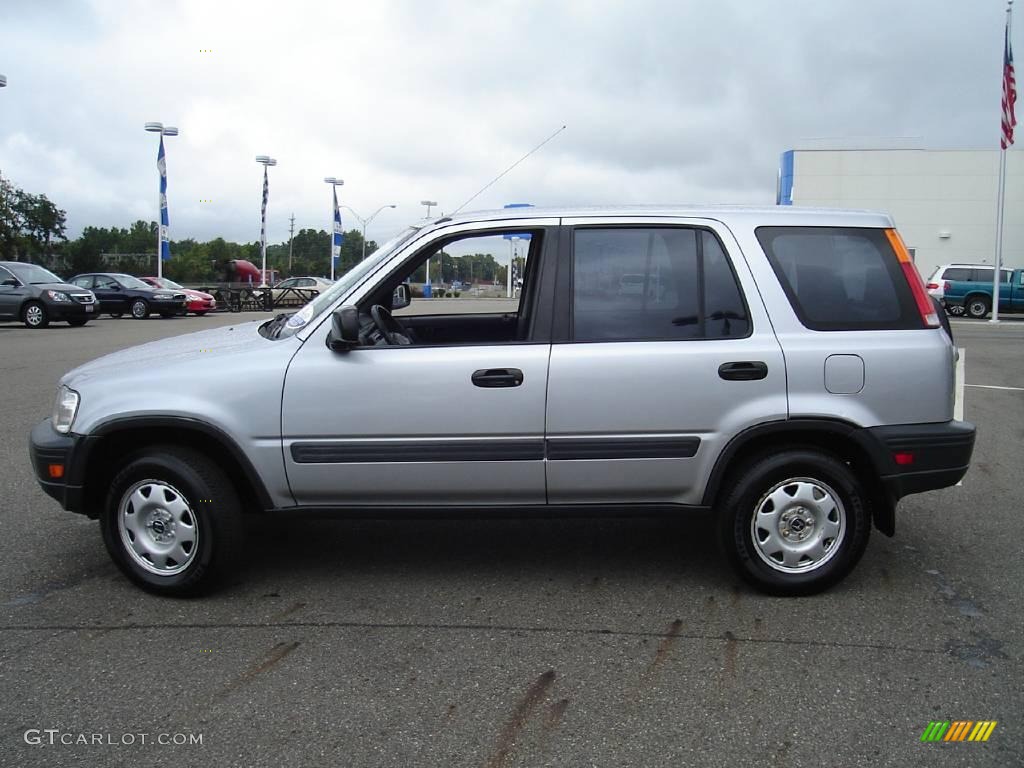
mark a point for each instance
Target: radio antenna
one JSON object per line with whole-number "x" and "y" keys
{"x": 496, "y": 178}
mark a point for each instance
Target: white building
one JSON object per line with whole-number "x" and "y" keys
{"x": 943, "y": 201}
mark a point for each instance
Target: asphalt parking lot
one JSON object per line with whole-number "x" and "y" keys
{"x": 513, "y": 643}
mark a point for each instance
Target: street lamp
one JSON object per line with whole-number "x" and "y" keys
{"x": 161, "y": 230}
{"x": 426, "y": 286}
{"x": 366, "y": 221}
{"x": 335, "y": 217}
{"x": 266, "y": 162}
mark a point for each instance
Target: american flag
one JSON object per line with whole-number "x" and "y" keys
{"x": 161, "y": 164}
{"x": 1009, "y": 120}
{"x": 338, "y": 234}
{"x": 263, "y": 209}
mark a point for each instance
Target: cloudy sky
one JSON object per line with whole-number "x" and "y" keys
{"x": 675, "y": 101}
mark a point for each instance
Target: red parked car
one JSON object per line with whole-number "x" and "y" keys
{"x": 196, "y": 302}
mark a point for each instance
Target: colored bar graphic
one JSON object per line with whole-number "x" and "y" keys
{"x": 935, "y": 730}
{"x": 958, "y": 730}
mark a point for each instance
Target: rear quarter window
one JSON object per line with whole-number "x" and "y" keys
{"x": 841, "y": 278}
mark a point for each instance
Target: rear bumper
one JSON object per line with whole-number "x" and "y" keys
{"x": 937, "y": 455}
{"x": 49, "y": 447}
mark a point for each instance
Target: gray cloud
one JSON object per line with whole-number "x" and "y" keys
{"x": 664, "y": 101}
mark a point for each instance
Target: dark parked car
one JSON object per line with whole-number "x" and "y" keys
{"x": 36, "y": 296}
{"x": 119, "y": 294}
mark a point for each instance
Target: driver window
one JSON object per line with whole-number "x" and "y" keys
{"x": 470, "y": 276}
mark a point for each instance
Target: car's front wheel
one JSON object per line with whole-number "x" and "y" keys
{"x": 78, "y": 322}
{"x": 34, "y": 315}
{"x": 172, "y": 521}
{"x": 795, "y": 522}
{"x": 140, "y": 309}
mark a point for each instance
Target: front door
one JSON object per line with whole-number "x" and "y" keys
{"x": 455, "y": 418}
{"x": 664, "y": 352}
{"x": 109, "y": 294}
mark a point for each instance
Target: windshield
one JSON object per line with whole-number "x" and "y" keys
{"x": 132, "y": 282}
{"x": 163, "y": 282}
{"x": 30, "y": 273}
{"x": 344, "y": 283}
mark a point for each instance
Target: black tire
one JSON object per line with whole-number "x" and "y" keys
{"x": 117, "y": 315}
{"x": 200, "y": 313}
{"x": 34, "y": 315}
{"x": 78, "y": 322}
{"x": 139, "y": 309}
{"x": 750, "y": 486}
{"x": 977, "y": 306}
{"x": 213, "y": 508}
{"x": 166, "y": 315}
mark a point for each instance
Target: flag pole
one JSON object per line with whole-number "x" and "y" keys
{"x": 1007, "y": 106}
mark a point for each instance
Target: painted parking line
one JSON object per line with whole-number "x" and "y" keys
{"x": 993, "y": 386}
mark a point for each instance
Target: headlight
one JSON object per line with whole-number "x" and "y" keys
{"x": 58, "y": 296}
{"x": 64, "y": 409}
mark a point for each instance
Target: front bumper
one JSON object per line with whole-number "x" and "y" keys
{"x": 70, "y": 310}
{"x": 48, "y": 447}
{"x": 935, "y": 455}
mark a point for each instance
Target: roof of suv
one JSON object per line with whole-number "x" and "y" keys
{"x": 786, "y": 215}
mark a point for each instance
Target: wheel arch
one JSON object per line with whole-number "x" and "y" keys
{"x": 840, "y": 439}
{"x": 116, "y": 438}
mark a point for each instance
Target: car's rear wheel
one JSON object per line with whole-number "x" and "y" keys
{"x": 117, "y": 315}
{"x": 795, "y": 522}
{"x": 172, "y": 522}
{"x": 140, "y": 309}
{"x": 34, "y": 315}
{"x": 978, "y": 307}
{"x": 166, "y": 315}
{"x": 956, "y": 310}
{"x": 78, "y": 322}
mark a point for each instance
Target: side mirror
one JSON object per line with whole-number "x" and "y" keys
{"x": 402, "y": 297}
{"x": 344, "y": 333}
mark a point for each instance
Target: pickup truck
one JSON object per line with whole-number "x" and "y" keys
{"x": 976, "y": 297}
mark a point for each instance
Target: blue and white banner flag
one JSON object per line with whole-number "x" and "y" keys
{"x": 263, "y": 209}
{"x": 339, "y": 235}
{"x": 165, "y": 243}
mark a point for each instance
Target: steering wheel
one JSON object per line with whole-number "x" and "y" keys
{"x": 393, "y": 331}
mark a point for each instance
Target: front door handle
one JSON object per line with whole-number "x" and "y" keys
{"x": 490, "y": 378}
{"x": 745, "y": 370}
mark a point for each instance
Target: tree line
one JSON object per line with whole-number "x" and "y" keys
{"x": 32, "y": 228}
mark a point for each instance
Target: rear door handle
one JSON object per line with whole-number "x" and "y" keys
{"x": 491, "y": 378}
{"x": 745, "y": 370}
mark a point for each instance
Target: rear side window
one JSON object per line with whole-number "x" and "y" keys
{"x": 666, "y": 283}
{"x": 841, "y": 278}
{"x": 982, "y": 275}
{"x": 957, "y": 273}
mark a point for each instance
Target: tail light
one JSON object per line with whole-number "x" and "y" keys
{"x": 945, "y": 287}
{"x": 925, "y": 307}
{"x": 932, "y": 286}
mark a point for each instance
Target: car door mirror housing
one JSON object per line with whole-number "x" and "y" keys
{"x": 344, "y": 333}
{"x": 402, "y": 297}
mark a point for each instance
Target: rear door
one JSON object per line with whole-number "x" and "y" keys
{"x": 663, "y": 352}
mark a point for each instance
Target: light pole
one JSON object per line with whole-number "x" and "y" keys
{"x": 426, "y": 286}
{"x": 161, "y": 230}
{"x": 266, "y": 162}
{"x": 335, "y": 219}
{"x": 364, "y": 222}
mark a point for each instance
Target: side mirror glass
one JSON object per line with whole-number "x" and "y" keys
{"x": 402, "y": 297}
{"x": 344, "y": 333}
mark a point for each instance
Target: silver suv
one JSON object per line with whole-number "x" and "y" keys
{"x": 782, "y": 367}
